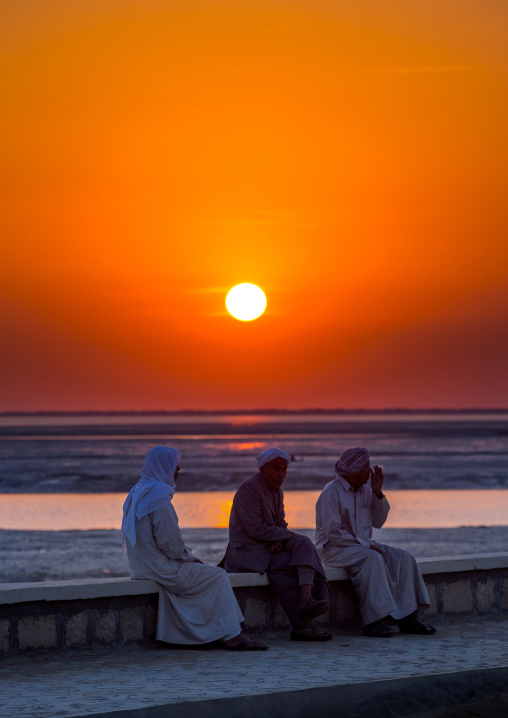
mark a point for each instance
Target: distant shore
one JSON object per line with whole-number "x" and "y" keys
{"x": 233, "y": 412}
{"x": 57, "y": 555}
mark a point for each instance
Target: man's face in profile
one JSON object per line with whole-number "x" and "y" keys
{"x": 274, "y": 473}
{"x": 361, "y": 478}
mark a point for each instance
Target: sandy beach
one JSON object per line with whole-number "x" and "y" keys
{"x": 54, "y": 555}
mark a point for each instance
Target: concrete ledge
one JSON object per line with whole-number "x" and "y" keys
{"x": 457, "y": 564}
{"x": 75, "y": 589}
{"x": 60, "y": 614}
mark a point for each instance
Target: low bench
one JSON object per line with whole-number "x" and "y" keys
{"x": 87, "y": 612}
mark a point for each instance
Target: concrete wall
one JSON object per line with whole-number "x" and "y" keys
{"x": 61, "y": 614}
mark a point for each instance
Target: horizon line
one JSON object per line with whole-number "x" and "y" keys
{"x": 309, "y": 410}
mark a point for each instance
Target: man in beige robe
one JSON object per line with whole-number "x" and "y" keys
{"x": 196, "y": 600}
{"x": 386, "y": 579}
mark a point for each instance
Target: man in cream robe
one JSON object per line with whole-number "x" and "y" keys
{"x": 196, "y": 600}
{"x": 386, "y": 579}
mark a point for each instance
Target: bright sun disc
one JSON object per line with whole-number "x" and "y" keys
{"x": 246, "y": 302}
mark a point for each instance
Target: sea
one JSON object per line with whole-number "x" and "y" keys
{"x": 75, "y": 465}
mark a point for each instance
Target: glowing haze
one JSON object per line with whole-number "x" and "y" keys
{"x": 350, "y": 158}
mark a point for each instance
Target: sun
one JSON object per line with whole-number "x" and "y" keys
{"x": 246, "y": 302}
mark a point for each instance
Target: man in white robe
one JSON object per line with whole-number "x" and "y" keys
{"x": 386, "y": 579}
{"x": 196, "y": 600}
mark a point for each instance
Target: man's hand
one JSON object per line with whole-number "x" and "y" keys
{"x": 376, "y": 480}
{"x": 276, "y": 546}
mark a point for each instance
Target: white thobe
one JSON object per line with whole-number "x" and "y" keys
{"x": 387, "y": 584}
{"x": 196, "y": 601}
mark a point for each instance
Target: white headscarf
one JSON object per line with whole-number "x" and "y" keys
{"x": 352, "y": 461}
{"x": 270, "y": 454}
{"x": 154, "y": 490}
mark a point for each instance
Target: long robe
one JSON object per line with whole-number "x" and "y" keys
{"x": 196, "y": 601}
{"x": 256, "y": 521}
{"x": 387, "y": 584}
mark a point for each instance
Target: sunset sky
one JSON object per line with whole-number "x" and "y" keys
{"x": 349, "y": 157}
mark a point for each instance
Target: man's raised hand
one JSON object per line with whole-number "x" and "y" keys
{"x": 376, "y": 480}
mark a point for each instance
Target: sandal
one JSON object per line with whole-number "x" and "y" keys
{"x": 245, "y": 645}
{"x": 377, "y": 629}
{"x": 310, "y": 634}
{"x": 251, "y": 646}
{"x": 313, "y": 608}
{"x": 418, "y": 628}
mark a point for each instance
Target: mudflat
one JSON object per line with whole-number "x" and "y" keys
{"x": 55, "y": 555}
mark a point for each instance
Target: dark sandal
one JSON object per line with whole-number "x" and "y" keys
{"x": 313, "y": 608}
{"x": 310, "y": 634}
{"x": 251, "y": 646}
{"x": 377, "y": 630}
{"x": 418, "y": 628}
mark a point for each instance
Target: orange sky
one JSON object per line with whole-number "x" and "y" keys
{"x": 351, "y": 158}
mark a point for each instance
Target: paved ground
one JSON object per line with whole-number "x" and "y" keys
{"x": 103, "y": 680}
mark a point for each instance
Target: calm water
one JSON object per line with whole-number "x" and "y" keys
{"x": 102, "y": 454}
{"x": 409, "y": 509}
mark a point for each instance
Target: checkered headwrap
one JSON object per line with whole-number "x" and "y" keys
{"x": 352, "y": 461}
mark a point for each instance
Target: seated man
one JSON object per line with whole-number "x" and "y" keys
{"x": 386, "y": 579}
{"x": 260, "y": 541}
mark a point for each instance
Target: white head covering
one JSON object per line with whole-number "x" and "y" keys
{"x": 352, "y": 461}
{"x": 270, "y": 454}
{"x": 154, "y": 490}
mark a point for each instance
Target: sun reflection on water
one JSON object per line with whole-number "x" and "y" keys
{"x": 211, "y": 509}
{"x": 246, "y": 445}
